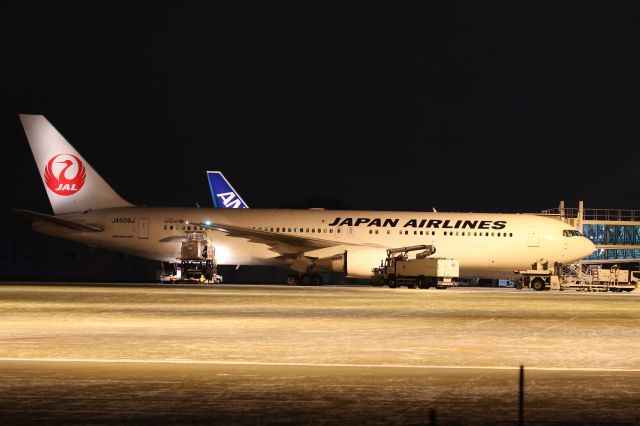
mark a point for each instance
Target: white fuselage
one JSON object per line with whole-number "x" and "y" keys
{"x": 486, "y": 244}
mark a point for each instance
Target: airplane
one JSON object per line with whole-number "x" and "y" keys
{"x": 87, "y": 210}
{"x": 222, "y": 193}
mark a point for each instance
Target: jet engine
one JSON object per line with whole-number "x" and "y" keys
{"x": 353, "y": 263}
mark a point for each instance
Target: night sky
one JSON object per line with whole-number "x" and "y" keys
{"x": 463, "y": 107}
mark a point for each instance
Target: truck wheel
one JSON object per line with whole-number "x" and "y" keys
{"x": 538, "y": 284}
{"x": 422, "y": 283}
{"x": 391, "y": 282}
{"x": 292, "y": 280}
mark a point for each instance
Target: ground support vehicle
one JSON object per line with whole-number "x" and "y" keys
{"x": 422, "y": 271}
{"x": 197, "y": 262}
{"x": 541, "y": 276}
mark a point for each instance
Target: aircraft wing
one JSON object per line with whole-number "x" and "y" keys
{"x": 58, "y": 221}
{"x": 280, "y": 243}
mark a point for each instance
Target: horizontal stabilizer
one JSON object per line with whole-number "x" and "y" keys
{"x": 58, "y": 221}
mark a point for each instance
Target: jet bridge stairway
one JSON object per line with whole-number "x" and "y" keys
{"x": 594, "y": 278}
{"x": 576, "y": 276}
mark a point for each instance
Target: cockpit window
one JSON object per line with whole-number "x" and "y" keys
{"x": 571, "y": 233}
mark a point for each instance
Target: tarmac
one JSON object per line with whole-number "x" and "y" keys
{"x": 256, "y": 354}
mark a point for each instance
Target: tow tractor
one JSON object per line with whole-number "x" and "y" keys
{"x": 541, "y": 276}
{"x": 422, "y": 271}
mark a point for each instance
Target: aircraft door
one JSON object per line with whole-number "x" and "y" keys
{"x": 350, "y": 232}
{"x": 143, "y": 227}
{"x": 533, "y": 239}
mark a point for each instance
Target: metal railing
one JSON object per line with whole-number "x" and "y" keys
{"x": 576, "y": 273}
{"x": 607, "y": 215}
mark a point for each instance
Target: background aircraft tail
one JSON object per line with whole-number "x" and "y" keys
{"x": 223, "y": 194}
{"x": 71, "y": 183}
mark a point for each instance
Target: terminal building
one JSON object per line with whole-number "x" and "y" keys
{"x": 615, "y": 232}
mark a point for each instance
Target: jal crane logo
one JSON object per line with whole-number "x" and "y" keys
{"x": 65, "y": 174}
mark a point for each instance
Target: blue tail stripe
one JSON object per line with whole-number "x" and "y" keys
{"x": 222, "y": 193}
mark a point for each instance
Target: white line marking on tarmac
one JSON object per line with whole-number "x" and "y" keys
{"x": 305, "y": 364}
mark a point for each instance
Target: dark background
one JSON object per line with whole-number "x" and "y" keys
{"x": 505, "y": 107}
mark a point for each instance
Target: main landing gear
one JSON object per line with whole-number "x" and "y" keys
{"x": 304, "y": 279}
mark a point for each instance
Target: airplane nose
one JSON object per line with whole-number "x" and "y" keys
{"x": 587, "y": 246}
